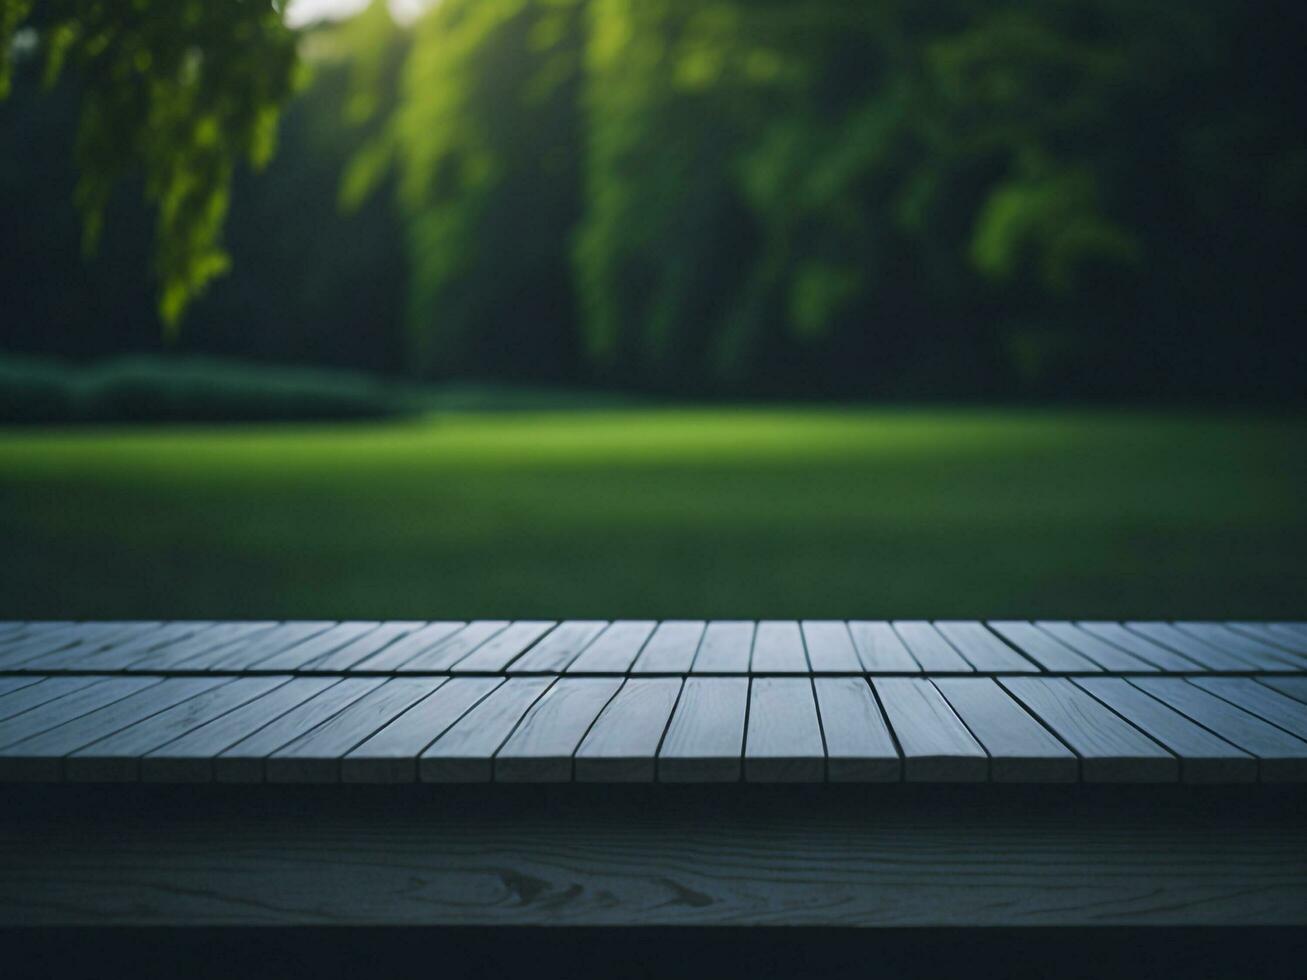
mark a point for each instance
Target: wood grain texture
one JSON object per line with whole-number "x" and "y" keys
{"x": 705, "y": 739}
{"x": 449, "y": 859}
{"x": 880, "y": 649}
{"x": 558, "y": 648}
{"x": 1244, "y": 692}
{"x": 1203, "y": 654}
{"x": 80, "y": 700}
{"x": 207, "y": 642}
{"x": 25, "y": 693}
{"x": 778, "y": 649}
{"x": 464, "y": 752}
{"x": 315, "y": 757}
{"x": 615, "y": 649}
{"x": 316, "y": 647}
{"x": 395, "y": 655}
{"x": 496, "y": 654}
{"x": 1021, "y": 750}
{"x": 1116, "y": 635}
{"x": 783, "y": 742}
{"x": 671, "y": 649}
{"x": 859, "y": 747}
{"x": 125, "y": 652}
{"x": 725, "y": 648}
{"x": 190, "y": 758}
{"x": 1267, "y": 633}
{"x": 79, "y": 641}
{"x": 622, "y": 745}
{"x": 360, "y": 649}
{"x": 1110, "y": 748}
{"x": 830, "y": 647}
{"x": 40, "y": 757}
{"x": 455, "y": 647}
{"x": 1259, "y": 654}
{"x": 390, "y": 755}
{"x": 1204, "y": 757}
{"x": 541, "y": 747}
{"x": 936, "y": 745}
{"x": 930, "y": 649}
{"x": 1294, "y": 687}
{"x": 117, "y": 757}
{"x": 244, "y": 761}
{"x": 1096, "y": 647}
{"x": 983, "y": 649}
{"x": 91, "y": 652}
{"x": 1042, "y": 647}
{"x": 1283, "y": 758}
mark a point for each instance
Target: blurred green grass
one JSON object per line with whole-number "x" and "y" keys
{"x": 662, "y": 512}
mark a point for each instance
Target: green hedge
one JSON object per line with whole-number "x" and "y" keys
{"x": 148, "y": 389}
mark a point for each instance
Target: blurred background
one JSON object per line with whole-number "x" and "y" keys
{"x": 545, "y": 308}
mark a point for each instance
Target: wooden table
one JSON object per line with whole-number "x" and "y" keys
{"x": 946, "y": 773}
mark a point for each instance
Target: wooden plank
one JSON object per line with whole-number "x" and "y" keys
{"x": 1204, "y": 758}
{"x": 314, "y": 647}
{"x": 358, "y": 650}
{"x": 87, "y": 655}
{"x": 38, "y": 691}
{"x": 559, "y": 648}
{"x": 40, "y": 757}
{"x": 859, "y": 747}
{"x": 880, "y": 649}
{"x": 622, "y": 745}
{"x": 464, "y": 753}
{"x": 315, "y": 757}
{"x": 390, "y": 756}
{"x": 615, "y": 649}
{"x": 1294, "y": 687}
{"x": 262, "y": 646}
{"x": 929, "y": 648}
{"x": 541, "y": 747}
{"x": 175, "y": 655}
{"x": 1111, "y": 750}
{"x": 1095, "y": 648}
{"x": 671, "y": 649}
{"x": 395, "y": 655}
{"x": 784, "y": 743}
{"x": 497, "y": 654}
{"x": 8, "y": 685}
{"x": 1294, "y": 629}
{"x": 830, "y": 648}
{"x": 1021, "y": 750}
{"x": 190, "y": 758}
{"x": 705, "y": 740}
{"x": 244, "y": 761}
{"x": 1260, "y": 655}
{"x": 936, "y": 746}
{"x": 984, "y": 650}
{"x": 123, "y": 652}
{"x": 1042, "y": 647}
{"x": 81, "y": 639}
{"x": 725, "y": 648}
{"x": 71, "y": 705}
{"x": 1116, "y": 635}
{"x": 778, "y": 649}
{"x": 1164, "y": 634}
{"x": 1283, "y": 758}
{"x": 1268, "y": 634}
{"x": 1244, "y": 692}
{"x": 117, "y": 757}
{"x": 454, "y": 648}
{"x": 929, "y": 857}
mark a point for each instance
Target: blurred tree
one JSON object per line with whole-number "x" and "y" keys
{"x": 485, "y": 143}
{"x": 175, "y": 91}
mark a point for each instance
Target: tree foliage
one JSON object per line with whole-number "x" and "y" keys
{"x": 175, "y": 94}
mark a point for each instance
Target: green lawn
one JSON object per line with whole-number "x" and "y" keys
{"x": 649, "y": 512}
